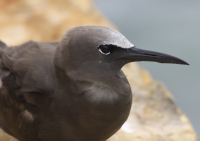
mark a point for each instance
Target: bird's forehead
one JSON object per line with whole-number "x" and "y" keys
{"x": 115, "y": 38}
{"x": 103, "y": 36}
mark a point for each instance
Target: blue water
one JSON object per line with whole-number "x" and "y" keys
{"x": 171, "y": 27}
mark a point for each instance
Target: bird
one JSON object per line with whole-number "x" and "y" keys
{"x": 71, "y": 90}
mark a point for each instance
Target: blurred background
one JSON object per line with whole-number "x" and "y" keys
{"x": 171, "y": 27}
{"x": 167, "y": 26}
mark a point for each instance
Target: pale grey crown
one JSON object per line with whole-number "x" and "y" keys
{"x": 101, "y": 36}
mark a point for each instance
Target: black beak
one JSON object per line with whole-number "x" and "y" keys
{"x": 135, "y": 54}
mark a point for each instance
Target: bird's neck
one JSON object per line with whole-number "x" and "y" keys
{"x": 100, "y": 94}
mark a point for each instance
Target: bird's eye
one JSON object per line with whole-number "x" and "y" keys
{"x": 104, "y": 49}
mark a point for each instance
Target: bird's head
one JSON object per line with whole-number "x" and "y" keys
{"x": 96, "y": 50}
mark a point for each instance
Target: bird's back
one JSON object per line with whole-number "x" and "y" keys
{"x": 29, "y": 62}
{"x": 25, "y": 72}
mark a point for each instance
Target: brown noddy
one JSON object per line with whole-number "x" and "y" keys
{"x": 72, "y": 90}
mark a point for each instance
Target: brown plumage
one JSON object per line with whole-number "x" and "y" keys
{"x": 72, "y": 90}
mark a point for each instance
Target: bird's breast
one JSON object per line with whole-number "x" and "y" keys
{"x": 101, "y": 111}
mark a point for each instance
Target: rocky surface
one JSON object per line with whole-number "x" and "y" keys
{"x": 154, "y": 115}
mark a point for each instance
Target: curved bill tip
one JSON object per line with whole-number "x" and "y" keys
{"x": 182, "y": 62}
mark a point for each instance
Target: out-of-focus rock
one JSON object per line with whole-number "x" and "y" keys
{"x": 45, "y": 20}
{"x": 154, "y": 115}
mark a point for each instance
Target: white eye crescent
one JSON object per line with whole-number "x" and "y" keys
{"x": 104, "y": 49}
